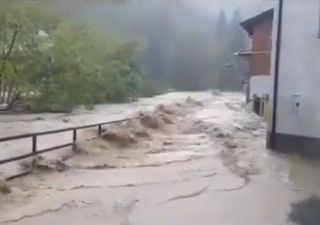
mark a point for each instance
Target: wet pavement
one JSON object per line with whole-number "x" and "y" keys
{"x": 209, "y": 167}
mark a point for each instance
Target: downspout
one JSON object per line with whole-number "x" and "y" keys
{"x": 276, "y": 76}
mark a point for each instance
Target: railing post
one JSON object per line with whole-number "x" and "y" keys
{"x": 34, "y": 137}
{"x": 100, "y": 130}
{"x": 34, "y": 144}
{"x": 74, "y": 136}
{"x": 74, "y": 139}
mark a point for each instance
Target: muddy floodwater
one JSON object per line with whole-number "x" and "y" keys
{"x": 189, "y": 159}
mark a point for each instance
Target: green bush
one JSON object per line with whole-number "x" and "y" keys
{"x": 56, "y": 66}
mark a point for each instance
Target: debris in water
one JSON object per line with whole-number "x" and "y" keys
{"x": 193, "y": 102}
{"x": 137, "y": 129}
{"x": 4, "y": 187}
{"x": 216, "y": 92}
{"x": 141, "y": 133}
{"x": 151, "y": 121}
{"x": 41, "y": 164}
{"x": 220, "y": 135}
{"x": 79, "y": 149}
{"x": 165, "y": 109}
{"x": 168, "y": 142}
{"x": 121, "y": 137}
{"x": 230, "y": 145}
{"x": 166, "y": 119}
{"x": 100, "y": 167}
{"x": 61, "y": 166}
{"x": 66, "y": 120}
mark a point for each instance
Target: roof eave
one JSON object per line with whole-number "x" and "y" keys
{"x": 249, "y": 24}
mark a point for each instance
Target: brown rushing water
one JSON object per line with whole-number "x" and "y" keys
{"x": 215, "y": 170}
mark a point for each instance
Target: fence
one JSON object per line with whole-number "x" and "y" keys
{"x": 34, "y": 136}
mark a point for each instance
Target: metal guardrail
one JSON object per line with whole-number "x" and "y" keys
{"x": 35, "y": 136}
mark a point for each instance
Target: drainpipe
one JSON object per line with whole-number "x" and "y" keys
{"x": 276, "y": 76}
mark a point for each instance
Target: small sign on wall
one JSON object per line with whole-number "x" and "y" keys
{"x": 296, "y": 103}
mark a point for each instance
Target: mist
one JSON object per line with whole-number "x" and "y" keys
{"x": 179, "y": 42}
{"x": 127, "y": 49}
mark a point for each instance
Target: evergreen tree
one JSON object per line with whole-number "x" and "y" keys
{"x": 222, "y": 26}
{"x": 233, "y": 69}
{"x": 238, "y": 38}
{"x": 221, "y": 35}
{"x": 238, "y": 41}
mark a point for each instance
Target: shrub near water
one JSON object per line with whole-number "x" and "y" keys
{"x": 87, "y": 69}
{"x": 54, "y": 65}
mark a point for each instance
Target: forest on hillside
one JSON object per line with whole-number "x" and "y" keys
{"x": 55, "y": 56}
{"x": 185, "y": 46}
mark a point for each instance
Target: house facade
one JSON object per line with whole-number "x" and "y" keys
{"x": 259, "y": 29}
{"x": 295, "y": 125}
{"x": 293, "y": 83}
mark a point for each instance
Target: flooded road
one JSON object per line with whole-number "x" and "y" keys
{"x": 205, "y": 163}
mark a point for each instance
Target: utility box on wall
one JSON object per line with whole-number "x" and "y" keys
{"x": 296, "y": 104}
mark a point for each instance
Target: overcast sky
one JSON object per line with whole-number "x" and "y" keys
{"x": 247, "y": 7}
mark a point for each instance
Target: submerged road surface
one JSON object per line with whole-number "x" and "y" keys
{"x": 205, "y": 163}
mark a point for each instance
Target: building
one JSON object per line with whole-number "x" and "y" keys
{"x": 259, "y": 29}
{"x": 296, "y": 122}
{"x": 294, "y": 80}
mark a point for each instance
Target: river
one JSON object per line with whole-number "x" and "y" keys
{"x": 209, "y": 167}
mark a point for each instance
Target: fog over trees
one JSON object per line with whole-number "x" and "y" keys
{"x": 59, "y": 54}
{"x": 183, "y": 45}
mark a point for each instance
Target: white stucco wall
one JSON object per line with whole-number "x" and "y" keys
{"x": 260, "y": 85}
{"x": 299, "y": 75}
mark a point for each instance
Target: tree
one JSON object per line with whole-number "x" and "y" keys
{"x": 238, "y": 42}
{"x": 51, "y": 65}
{"x": 237, "y": 37}
{"x": 232, "y": 69}
{"x": 86, "y": 67}
{"x": 221, "y": 27}
{"x": 192, "y": 64}
{"x": 15, "y": 43}
{"x": 24, "y": 26}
